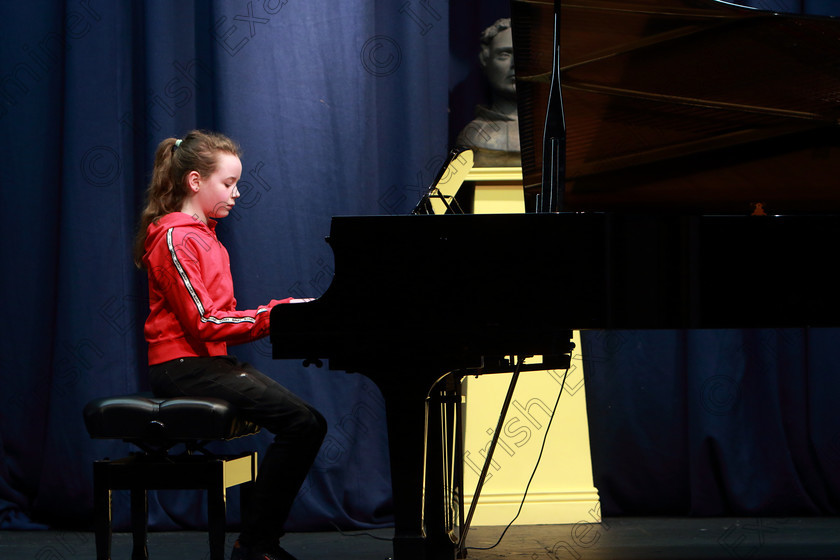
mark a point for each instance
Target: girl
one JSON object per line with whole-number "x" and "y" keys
{"x": 193, "y": 317}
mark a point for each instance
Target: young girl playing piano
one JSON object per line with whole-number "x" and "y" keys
{"x": 193, "y": 317}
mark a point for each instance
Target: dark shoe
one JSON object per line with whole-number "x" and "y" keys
{"x": 275, "y": 552}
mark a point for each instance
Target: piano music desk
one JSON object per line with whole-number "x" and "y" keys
{"x": 562, "y": 490}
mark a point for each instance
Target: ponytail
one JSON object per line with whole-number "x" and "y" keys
{"x": 174, "y": 160}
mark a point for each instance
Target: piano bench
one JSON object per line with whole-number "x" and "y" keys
{"x": 155, "y": 426}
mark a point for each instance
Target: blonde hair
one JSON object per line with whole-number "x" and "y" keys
{"x": 174, "y": 160}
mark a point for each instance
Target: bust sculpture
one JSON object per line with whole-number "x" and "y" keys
{"x": 494, "y": 132}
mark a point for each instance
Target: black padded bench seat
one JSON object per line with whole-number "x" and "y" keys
{"x": 144, "y": 418}
{"x": 156, "y": 425}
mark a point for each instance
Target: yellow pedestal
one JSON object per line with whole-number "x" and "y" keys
{"x": 498, "y": 190}
{"x": 562, "y": 489}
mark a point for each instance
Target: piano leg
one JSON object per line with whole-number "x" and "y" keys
{"x": 420, "y": 531}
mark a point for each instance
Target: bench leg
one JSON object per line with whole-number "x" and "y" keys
{"x": 216, "y": 519}
{"x": 102, "y": 511}
{"x": 246, "y": 503}
{"x": 139, "y": 523}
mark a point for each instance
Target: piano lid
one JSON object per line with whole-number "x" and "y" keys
{"x": 695, "y": 106}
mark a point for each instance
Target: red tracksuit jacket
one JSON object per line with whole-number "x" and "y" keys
{"x": 192, "y": 309}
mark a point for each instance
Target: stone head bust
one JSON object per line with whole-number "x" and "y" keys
{"x": 494, "y": 132}
{"x": 496, "y": 59}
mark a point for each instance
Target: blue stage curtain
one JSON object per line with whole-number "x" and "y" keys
{"x": 811, "y": 7}
{"x": 717, "y": 422}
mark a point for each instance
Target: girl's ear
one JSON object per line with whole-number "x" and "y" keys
{"x": 193, "y": 180}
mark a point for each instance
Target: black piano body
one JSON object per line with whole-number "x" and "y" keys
{"x": 415, "y": 297}
{"x": 684, "y": 208}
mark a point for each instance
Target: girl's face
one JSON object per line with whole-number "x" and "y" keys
{"x": 217, "y": 194}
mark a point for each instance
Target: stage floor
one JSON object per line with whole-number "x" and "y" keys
{"x": 614, "y": 539}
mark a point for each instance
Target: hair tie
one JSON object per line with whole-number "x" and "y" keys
{"x": 177, "y": 143}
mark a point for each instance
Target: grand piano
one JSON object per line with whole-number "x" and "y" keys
{"x": 683, "y": 155}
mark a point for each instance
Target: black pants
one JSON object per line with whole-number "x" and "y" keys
{"x": 298, "y": 430}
